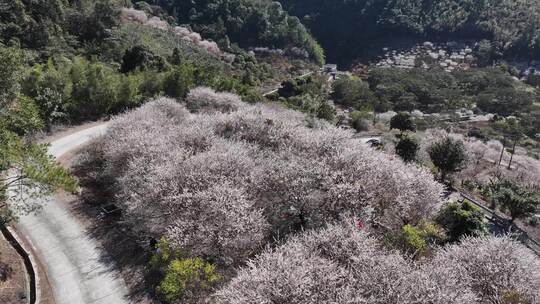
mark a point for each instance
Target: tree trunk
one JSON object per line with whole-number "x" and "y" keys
{"x": 443, "y": 176}
{"x": 512, "y": 155}
{"x": 502, "y": 152}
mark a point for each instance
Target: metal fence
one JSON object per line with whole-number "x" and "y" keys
{"x": 493, "y": 217}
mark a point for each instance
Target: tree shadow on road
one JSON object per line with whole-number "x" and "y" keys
{"x": 121, "y": 250}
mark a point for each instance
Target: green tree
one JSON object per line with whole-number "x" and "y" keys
{"x": 94, "y": 89}
{"x": 352, "y": 92}
{"x": 187, "y": 279}
{"x": 505, "y": 101}
{"x": 178, "y": 81}
{"x": 407, "y": 147}
{"x": 11, "y": 69}
{"x": 403, "y": 122}
{"x": 21, "y": 117}
{"x": 25, "y": 165}
{"x": 485, "y": 53}
{"x": 140, "y": 57}
{"x": 417, "y": 240}
{"x": 176, "y": 58}
{"x": 326, "y": 111}
{"x": 462, "y": 219}
{"x": 51, "y": 106}
{"x": 448, "y": 155}
{"x": 517, "y": 201}
{"x": 290, "y": 88}
{"x": 103, "y": 16}
{"x": 512, "y": 130}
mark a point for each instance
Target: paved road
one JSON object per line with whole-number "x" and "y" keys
{"x": 72, "y": 259}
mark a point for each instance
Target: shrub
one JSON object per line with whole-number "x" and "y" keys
{"x": 407, "y": 147}
{"x": 403, "y": 122}
{"x": 360, "y": 120}
{"x": 417, "y": 240}
{"x": 352, "y": 92}
{"x": 326, "y": 111}
{"x": 462, "y": 219}
{"x": 448, "y": 155}
{"x": 178, "y": 81}
{"x": 139, "y": 57}
{"x": 186, "y": 280}
{"x": 515, "y": 199}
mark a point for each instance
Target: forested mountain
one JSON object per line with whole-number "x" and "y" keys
{"x": 246, "y": 22}
{"x": 346, "y": 28}
{"x": 69, "y": 61}
{"x": 100, "y": 57}
{"x": 226, "y": 187}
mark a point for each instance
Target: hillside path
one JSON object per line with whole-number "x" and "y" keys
{"x": 75, "y": 265}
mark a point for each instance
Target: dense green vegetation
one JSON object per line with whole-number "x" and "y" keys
{"x": 462, "y": 219}
{"x": 307, "y": 95}
{"x": 82, "y": 61}
{"x": 491, "y": 90}
{"x": 246, "y": 22}
{"x": 516, "y": 200}
{"x": 72, "y": 61}
{"x": 346, "y": 28}
{"x": 22, "y": 162}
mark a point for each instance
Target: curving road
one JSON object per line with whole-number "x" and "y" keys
{"x": 73, "y": 260}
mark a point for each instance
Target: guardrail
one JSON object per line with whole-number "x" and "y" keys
{"x": 10, "y": 237}
{"x": 492, "y": 216}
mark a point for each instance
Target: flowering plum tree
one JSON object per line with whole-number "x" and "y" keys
{"x": 208, "y": 99}
{"x": 219, "y": 223}
{"x": 342, "y": 264}
{"x": 199, "y": 177}
{"x": 496, "y": 269}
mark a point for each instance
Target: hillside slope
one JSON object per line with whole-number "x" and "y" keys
{"x": 346, "y": 28}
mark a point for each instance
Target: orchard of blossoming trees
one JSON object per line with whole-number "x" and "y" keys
{"x": 270, "y": 167}
{"x": 219, "y": 179}
{"x": 341, "y": 264}
{"x": 483, "y": 160}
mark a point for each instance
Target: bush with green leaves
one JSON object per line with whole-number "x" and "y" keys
{"x": 183, "y": 279}
{"x": 448, "y": 155}
{"x": 462, "y": 219}
{"x": 407, "y": 147}
{"x": 417, "y": 240}
{"x": 21, "y": 117}
{"x": 326, "y": 111}
{"x": 140, "y": 57}
{"x": 402, "y": 121}
{"x": 352, "y": 92}
{"x": 516, "y": 200}
{"x": 361, "y": 120}
{"x": 187, "y": 280}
